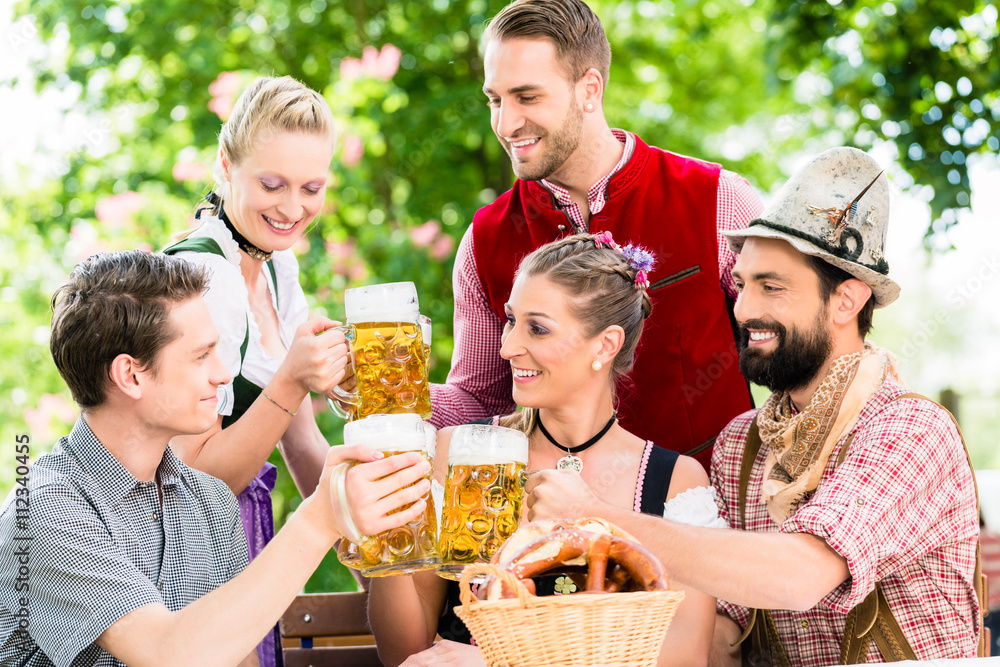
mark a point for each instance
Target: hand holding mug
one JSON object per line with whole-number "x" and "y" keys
{"x": 318, "y": 355}
{"x": 324, "y": 501}
{"x": 391, "y": 525}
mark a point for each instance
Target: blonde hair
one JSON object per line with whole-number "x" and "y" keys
{"x": 269, "y": 105}
{"x": 601, "y": 282}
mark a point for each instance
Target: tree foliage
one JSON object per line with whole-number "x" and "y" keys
{"x": 746, "y": 84}
{"x": 920, "y": 74}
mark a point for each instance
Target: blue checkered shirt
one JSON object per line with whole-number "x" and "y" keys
{"x": 95, "y": 543}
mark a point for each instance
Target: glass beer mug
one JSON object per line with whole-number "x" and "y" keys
{"x": 389, "y": 353}
{"x": 483, "y": 494}
{"x": 409, "y": 548}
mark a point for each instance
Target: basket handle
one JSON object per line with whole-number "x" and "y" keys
{"x": 465, "y": 582}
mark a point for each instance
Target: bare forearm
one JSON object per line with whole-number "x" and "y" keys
{"x": 251, "y": 660}
{"x": 398, "y": 618}
{"x": 690, "y": 635}
{"x": 724, "y": 653}
{"x": 763, "y": 570}
{"x": 304, "y": 449}
{"x": 236, "y": 453}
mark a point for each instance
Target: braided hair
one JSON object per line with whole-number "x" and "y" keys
{"x": 604, "y": 289}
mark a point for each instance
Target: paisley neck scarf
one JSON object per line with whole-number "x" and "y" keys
{"x": 799, "y": 444}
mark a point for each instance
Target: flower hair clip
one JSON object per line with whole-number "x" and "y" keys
{"x": 606, "y": 239}
{"x": 638, "y": 257}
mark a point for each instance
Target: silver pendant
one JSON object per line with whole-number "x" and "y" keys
{"x": 570, "y": 462}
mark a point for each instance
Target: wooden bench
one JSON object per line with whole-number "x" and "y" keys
{"x": 328, "y": 629}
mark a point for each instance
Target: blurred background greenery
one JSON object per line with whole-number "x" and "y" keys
{"x": 116, "y": 147}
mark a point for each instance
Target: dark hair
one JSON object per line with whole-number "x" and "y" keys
{"x": 570, "y": 25}
{"x": 116, "y": 303}
{"x": 830, "y": 278}
{"x": 602, "y": 284}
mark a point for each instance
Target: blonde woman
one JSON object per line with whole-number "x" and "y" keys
{"x": 271, "y": 175}
{"x": 574, "y": 318}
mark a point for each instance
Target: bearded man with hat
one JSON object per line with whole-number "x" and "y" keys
{"x": 851, "y": 502}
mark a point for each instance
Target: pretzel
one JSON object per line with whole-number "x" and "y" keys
{"x": 530, "y": 532}
{"x": 634, "y": 567}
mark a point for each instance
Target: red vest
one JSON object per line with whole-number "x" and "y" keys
{"x": 685, "y": 385}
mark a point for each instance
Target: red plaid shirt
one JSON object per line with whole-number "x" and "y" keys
{"x": 901, "y": 509}
{"x": 479, "y": 383}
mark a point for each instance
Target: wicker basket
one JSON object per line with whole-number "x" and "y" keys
{"x": 581, "y": 629}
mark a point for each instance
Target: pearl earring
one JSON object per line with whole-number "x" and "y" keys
{"x": 590, "y": 107}
{"x": 597, "y": 365}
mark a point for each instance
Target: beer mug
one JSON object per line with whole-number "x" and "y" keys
{"x": 409, "y": 548}
{"x": 389, "y": 353}
{"x": 483, "y": 493}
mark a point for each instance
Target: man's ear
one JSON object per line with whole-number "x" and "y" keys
{"x": 848, "y": 300}
{"x": 124, "y": 374}
{"x": 593, "y": 89}
{"x": 610, "y": 342}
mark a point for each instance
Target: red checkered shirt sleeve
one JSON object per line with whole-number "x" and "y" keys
{"x": 737, "y": 204}
{"x": 479, "y": 383}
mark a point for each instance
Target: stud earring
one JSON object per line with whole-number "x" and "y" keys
{"x": 597, "y": 365}
{"x": 590, "y": 107}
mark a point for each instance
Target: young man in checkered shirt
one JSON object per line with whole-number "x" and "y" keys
{"x": 843, "y": 489}
{"x": 123, "y": 553}
{"x": 546, "y": 69}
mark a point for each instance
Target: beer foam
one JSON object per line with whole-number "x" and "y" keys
{"x": 385, "y": 442}
{"x": 383, "y": 317}
{"x": 386, "y": 302}
{"x": 488, "y": 444}
{"x": 402, "y": 432}
{"x": 483, "y": 459}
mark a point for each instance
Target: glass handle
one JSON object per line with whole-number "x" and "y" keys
{"x": 338, "y": 397}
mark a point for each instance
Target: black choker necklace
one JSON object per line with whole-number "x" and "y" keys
{"x": 571, "y": 462}
{"x": 241, "y": 240}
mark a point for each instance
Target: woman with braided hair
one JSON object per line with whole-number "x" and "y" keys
{"x": 574, "y": 319}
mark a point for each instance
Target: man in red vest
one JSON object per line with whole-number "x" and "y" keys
{"x": 547, "y": 65}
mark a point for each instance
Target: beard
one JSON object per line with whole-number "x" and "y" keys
{"x": 561, "y": 144}
{"x": 795, "y": 361}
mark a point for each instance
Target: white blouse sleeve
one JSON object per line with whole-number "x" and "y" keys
{"x": 695, "y": 507}
{"x": 227, "y": 301}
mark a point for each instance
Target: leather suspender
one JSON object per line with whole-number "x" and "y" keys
{"x": 872, "y": 619}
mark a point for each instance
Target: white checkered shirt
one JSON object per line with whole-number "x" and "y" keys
{"x": 100, "y": 546}
{"x": 479, "y": 384}
{"x": 901, "y": 509}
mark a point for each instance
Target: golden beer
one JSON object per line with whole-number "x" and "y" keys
{"x": 483, "y": 494}
{"x": 390, "y": 347}
{"x": 409, "y": 548}
{"x": 482, "y": 508}
{"x": 390, "y": 369}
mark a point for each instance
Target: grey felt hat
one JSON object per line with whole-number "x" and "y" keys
{"x": 835, "y": 208}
